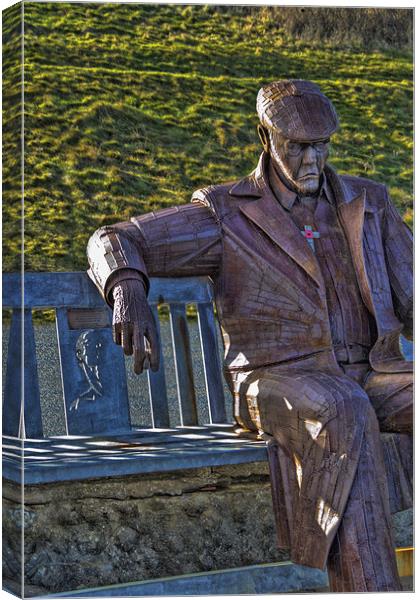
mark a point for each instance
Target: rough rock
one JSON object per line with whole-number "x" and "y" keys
{"x": 114, "y": 530}
{"x": 111, "y": 530}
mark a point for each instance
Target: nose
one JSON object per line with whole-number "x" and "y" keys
{"x": 309, "y": 155}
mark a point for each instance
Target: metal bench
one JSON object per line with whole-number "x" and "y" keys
{"x": 96, "y": 405}
{"x": 100, "y": 440}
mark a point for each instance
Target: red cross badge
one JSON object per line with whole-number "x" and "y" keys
{"x": 310, "y": 236}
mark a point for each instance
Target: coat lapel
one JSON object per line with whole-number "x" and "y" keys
{"x": 267, "y": 213}
{"x": 271, "y": 218}
{"x": 351, "y": 211}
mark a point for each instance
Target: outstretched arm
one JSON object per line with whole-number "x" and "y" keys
{"x": 180, "y": 241}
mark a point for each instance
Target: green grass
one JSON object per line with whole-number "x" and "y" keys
{"x": 129, "y": 108}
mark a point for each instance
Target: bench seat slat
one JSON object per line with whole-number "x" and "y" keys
{"x": 85, "y": 466}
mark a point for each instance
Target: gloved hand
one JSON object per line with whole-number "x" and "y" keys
{"x": 133, "y": 324}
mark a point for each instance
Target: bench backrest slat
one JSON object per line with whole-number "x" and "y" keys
{"x": 43, "y": 290}
{"x": 26, "y": 422}
{"x": 157, "y": 386}
{"x": 212, "y": 367}
{"x": 92, "y": 372}
{"x": 50, "y": 290}
{"x": 183, "y": 365}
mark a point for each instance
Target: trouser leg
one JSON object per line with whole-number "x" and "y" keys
{"x": 328, "y": 428}
{"x": 318, "y": 419}
{"x": 362, "y": 556}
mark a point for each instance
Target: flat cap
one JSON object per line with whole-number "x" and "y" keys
{"x": 298, "y": 109}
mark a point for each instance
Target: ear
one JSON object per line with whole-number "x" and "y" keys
{"x": 263, "y": 135}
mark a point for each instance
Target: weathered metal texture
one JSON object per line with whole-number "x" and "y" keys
{"x": 281, "y": 315}
{"x": 21, "y": 409}
{"x": 285, "y": 105}
{"x": 398, "y": 456}
{"x": 157, "y": 386}
{"x": 326, "y": 318}
{"x": 75, "y": 290}
{"x": 352, "y": 327}
{"x": 280, "y": 491}
{"x": 365, "y": 532}
{"x": 279, "y": 311}
{"x": 93, "y": 377}
{"x": 212, "y": 367}
{"x": 81, "y": 457}
{"x": 83, "y": 323}
{"x": 298, "y": 408}
{"x": 183, "y": 365}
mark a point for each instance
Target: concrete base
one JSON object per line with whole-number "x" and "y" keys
{"x": 107, "y": 531}
{"x": 113, "y": 531}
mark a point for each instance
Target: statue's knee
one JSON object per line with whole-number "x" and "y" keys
{"x": 353, "y": 412}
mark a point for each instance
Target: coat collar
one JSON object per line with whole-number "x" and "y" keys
{"x": 267, "y": 213}
{"x": 256, "y": 183}
{"x": 253, "y": 184}
{"x": 288, "y": 197}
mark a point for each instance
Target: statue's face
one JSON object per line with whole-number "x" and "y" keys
{"x": 88, "y": 349}
{"x": 301, "y": 163}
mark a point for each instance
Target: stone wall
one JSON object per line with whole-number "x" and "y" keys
{"x": 104, "y": 531}
{"x": 115, "y": 530}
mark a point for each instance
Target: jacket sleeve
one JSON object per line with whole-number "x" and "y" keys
{"x": 398, "y": 243}
{"x": 174, "y": 242}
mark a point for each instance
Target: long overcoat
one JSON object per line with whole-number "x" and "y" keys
{"x": 269, "y": 291}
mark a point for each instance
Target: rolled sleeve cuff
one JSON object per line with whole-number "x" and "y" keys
{"x": 123, "y": 274}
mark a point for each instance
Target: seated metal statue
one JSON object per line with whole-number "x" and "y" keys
{"x": 312, "y": 275}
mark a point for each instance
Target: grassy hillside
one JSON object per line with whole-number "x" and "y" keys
{"x": 11, "y": 138}
{"x": 129, "y": 108}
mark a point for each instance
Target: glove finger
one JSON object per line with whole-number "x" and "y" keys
{"x": 139, "y": 350}
{"x": 116, "y": 333}
{"x": 126, "y": 338}
{"x": 146, "y": 364}
{"x": 154, "y": 347}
